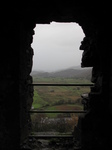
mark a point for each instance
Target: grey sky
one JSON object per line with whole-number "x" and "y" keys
{"x": 56, "y": 46}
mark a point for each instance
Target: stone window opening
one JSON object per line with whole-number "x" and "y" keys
{"x": 52, "y": 90}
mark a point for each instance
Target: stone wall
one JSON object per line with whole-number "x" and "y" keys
{"x": 26, "y": 91}
{"x": 16, "y": 96}
{"x": 9, "y": 85}
{"x": 96, "y": 125}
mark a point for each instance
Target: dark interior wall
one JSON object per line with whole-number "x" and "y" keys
{"x": 9, "y": 85}
{"x": 26, "y": 91}
{"x": 16, "y": 95}
{"x": 16, "y": 62}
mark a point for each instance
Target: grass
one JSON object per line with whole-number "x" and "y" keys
{"x": 55, "y": 98}
{"x": 38, "y": 102}
{"x": 60, "y": 80}
{"x": 46, "y": 96}
{"x": 51, "y": 115}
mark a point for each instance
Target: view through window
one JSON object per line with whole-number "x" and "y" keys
{"x": 57, "y": 59}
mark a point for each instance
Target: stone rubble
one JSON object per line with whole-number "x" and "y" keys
{"x": 51, "y": 144}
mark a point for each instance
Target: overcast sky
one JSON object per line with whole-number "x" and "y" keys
{"x": 56, "y": 46}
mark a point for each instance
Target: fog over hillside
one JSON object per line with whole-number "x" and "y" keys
{"x": 72, "y": 72}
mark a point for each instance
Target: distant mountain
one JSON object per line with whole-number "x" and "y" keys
{"x": 67, "y": 73}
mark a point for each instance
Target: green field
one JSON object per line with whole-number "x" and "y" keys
{"x": 58, "y": 97}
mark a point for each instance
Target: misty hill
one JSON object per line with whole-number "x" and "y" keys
{"x": 67, "y": 73}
